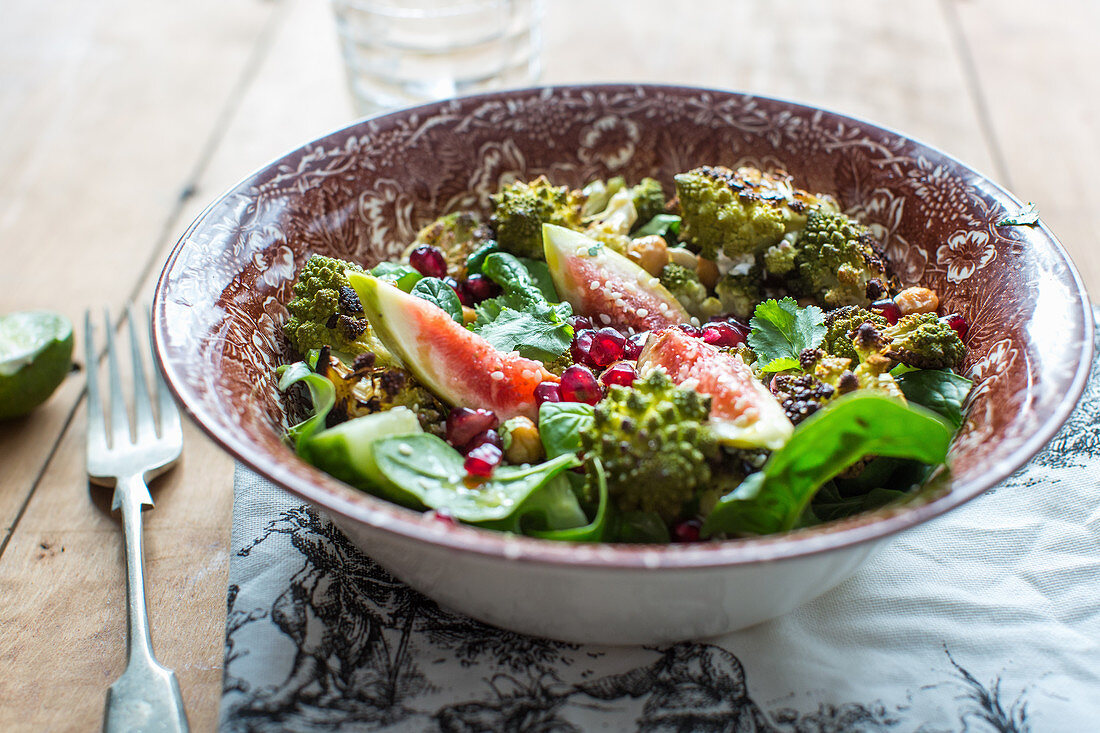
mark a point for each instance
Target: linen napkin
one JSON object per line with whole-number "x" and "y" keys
{"x": 985, "y": 619}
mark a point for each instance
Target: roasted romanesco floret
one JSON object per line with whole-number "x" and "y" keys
{"x": 367, "y": 386}
{"x": 685, "y": 287}
{"x": 738, "y": 293}
{"x": 649, "y": 200}
{"x": 457, "y": 235}
{"x": 924, "y": 341}
{"x": 654, "y": 444}
{"x": 521, "y": 208}
{"x": 325, "y": 311}
{"x": 740, "y": 212}
{"x": 841, "y": 325}
{"x": 837, "y": 262}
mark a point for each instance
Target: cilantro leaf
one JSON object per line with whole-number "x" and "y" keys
{"x": 533, "y": 335}
{"x": 781, "y": 330}
{"x": 1027, "y": 216}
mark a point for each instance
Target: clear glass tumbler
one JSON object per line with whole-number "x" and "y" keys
{"x": 403, "y": 52}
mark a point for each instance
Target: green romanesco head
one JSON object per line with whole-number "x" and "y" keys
{"x": 521, "y": 208}
{"x": 684, "y": 285}
{"x": 840, "y": 327}
{"x": 654, "y": 444}
{"x": 649, "y": 199}
{"x": 837, "y": 261}
{"x": 457, "y": 234}
{"x": 779, "y": 259}
{"x": 739, "y": 212}
{"x": 923, "y": 341}
{"x": 740, "y": 293}
{"x": 325, "y": 310}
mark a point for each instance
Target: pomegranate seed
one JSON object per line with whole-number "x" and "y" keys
{"x": 888, "y": 309}
{"x": 579, "y": 323}
{"x": 463, "y": 424}
{"x": 723, "y": 334}
{"x": 958, "y": 323}
{"x": 686, "y": 531}
{"x": 482, "y": 460}
{"x": 440, "y": 515}
{"x": 634, "y": 345}
{"x": 547, "y": 392}
{"x": 428, "y": 261}
{"x": 607, "y": 347}
{"x": 578, "y": 384}
{"x": 479, "y": 288}
{"x": 460, "y": 290}
{"x": 489, "y": 436}
{"x": 581, "y": 347}
{"x": 622, "y": 374}
{"x": 690, "y": 330}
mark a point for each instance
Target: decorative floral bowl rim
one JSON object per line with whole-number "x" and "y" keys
{"x": 338, "y": 498}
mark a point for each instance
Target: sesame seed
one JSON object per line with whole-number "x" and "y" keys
{"x": 605, "y": 319}
{"x": 642, "y": 312}
{"x": 497, "y": 376}
{"x": 594, "y": 285}
{"x": 405, "y": 449}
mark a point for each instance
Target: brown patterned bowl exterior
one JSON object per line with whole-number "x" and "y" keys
{"x": 362, "y": 193}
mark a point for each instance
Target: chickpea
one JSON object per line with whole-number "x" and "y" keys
{"x": 469, "y": 315}
{"x": 650, "y": 252}
{"x": 708, "y": 272}
{"x": 917, "y": 300}
{"x": 683, "y": 257}
{"x": 522, "y": 441}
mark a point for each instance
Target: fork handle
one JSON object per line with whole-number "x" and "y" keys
{"x": 147, "y": 695}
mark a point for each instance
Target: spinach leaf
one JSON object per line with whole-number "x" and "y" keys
{"x": 661, "y": 224}
{"x": 322, "y": 394}
{"x": 434, "y": 290}
{"x": 476, "y": 259}
{"x": 594, "y": 531}
{"x": 781, "y": 330}
{"x": 830, "y": 504}
{"x": 858, "y": 424}
{"x": 426, "y": 467}
{"x": 543, "y": 280}
{"x": 560, "y": 426}
{"x": 521, "y": 319}
{"x": 402, "y": 276}
{"x": 941, "y": 391}
{"x": 638, "y": 528}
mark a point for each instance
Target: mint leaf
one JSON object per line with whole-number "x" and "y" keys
{"x": 782, "y": 365}
{"x": 781, "y": 330}
{"x": 522, "y": 318}
{"x": 532, "y": 335}
{"x": 1025, "y": 217}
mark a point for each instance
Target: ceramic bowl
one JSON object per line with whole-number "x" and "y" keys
{"x": 362, "y": 193}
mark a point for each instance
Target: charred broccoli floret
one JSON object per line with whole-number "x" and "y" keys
{"x": 457, "y": 235}
{"x": 325, "y": 310}
{"x": 841, "y": 325}
{"x": 367, "y": 386}
{"x": 521, "y": 208}
{"x": 873, "y": 371}
{"x": 923, "y": 341}
{"x": 837, "y": 261}
{"x": 654, "y": 444}
{"x": 649, "y": 199}
{"x": 684, "y": 284}
{"x": 739, "y": 293}
{"x": 801, "y": 395}
{"x": 740, "y": 212}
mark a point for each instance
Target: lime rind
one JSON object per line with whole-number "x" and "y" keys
{"x": 35, "y": 356}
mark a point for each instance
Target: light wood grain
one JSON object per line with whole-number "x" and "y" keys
{"x": 1035, "y": 77}
{"x": 164, "y": 96}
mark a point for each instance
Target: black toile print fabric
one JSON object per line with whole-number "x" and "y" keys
{"x": 986, "y": 619}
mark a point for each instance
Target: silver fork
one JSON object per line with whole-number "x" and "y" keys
{"x": 147, "y": 695}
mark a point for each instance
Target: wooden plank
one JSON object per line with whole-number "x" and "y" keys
{"x": 105, "y": 115}
{"x": 1035, "y": 67}
{"x": 63, "y": 566}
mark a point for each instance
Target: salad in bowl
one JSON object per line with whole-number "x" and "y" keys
{"x": 616, "y": 362}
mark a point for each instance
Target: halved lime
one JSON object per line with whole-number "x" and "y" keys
{"x": 36, "y": 351}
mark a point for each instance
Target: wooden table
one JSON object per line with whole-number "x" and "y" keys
{"x": 121, "y": 119}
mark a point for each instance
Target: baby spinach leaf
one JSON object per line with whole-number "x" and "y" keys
{"x": 560, "y": 426}
{"x": 477, "y": 258}
{"x": 638, "y": 528}
{"x": 400, "y": 275}
{"x": 434, "y": 290}
{"x": 781, "y": 330}
{"x": 830, "y": 505}
{"x": 594, "y": 531}
{"x": 856, "y": 425}
{"x": 426, "y": 467}
{"x": 540, "y": 276}
{"x": 661, "y": 225}
{"x": 941, "y": 391}
{"x": 322, "y": 394}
